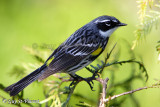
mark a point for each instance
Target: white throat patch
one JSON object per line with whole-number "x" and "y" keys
{"x": 108, "y": 32}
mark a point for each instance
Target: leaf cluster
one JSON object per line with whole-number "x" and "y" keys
{"x": 149, "y": 16}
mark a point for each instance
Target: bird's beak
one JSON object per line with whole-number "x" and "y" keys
{"x": 122, "y": 24}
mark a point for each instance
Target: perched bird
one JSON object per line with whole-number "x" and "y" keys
{"x": 78, "y": 51}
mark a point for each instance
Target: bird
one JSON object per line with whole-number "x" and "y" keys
{"x": 75, "y": 53}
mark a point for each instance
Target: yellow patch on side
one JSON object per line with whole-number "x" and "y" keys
{"x": 49, "y": 61}
{"x": 96, "y": 52}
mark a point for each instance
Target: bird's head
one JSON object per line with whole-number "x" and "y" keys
{"x": 106, "y": 25}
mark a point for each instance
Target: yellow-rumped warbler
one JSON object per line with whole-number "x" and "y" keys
{"x": 78, "y": 51}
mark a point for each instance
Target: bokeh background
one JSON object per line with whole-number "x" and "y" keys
{"x": 50, "y": 22}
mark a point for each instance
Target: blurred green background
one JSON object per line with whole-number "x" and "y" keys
{"x": 50, "y": 22}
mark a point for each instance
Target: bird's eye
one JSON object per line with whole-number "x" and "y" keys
{"x": 104, "y": 25}
{"x": 108, "y": 23}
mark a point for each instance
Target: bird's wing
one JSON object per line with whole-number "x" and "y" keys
{"x": 68, "y": 56}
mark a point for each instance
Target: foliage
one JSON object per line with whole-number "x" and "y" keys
{"x": 149, "y": 16}
{"x": 54, "y": 91}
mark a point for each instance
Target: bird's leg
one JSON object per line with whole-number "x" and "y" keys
{"x": 75, "y": 79}
{"x": 88, "y": 80}
{"x": 94, "y": 75}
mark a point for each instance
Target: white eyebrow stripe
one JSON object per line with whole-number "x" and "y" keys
{"x": 102, "y": 21}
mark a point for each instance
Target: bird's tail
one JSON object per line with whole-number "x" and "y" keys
{"x": 15, "y": 88}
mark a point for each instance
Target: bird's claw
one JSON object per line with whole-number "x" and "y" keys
{"x": 90, "y": 83}
{"x": 88, "y": 80}
{"x": 75, "y": 79}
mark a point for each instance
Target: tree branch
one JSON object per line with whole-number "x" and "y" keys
{"x": 104, "y": 93}
{"x": 129, "y": 92}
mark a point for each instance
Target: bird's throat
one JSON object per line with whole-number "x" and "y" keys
{"x": 107, "y": 33}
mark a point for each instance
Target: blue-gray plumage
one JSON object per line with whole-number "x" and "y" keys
{"x": 78, "y": 51}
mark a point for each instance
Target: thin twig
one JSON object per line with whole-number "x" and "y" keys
{"x": 129, "y": 92}
{"x": 131, "y": 61}
{"x": 69, "y": 95}
{"x": 106, "y": 59}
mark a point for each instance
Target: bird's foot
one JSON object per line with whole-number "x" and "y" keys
{"x": 77, "y": 78}
{"x": 90, "y": 80}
